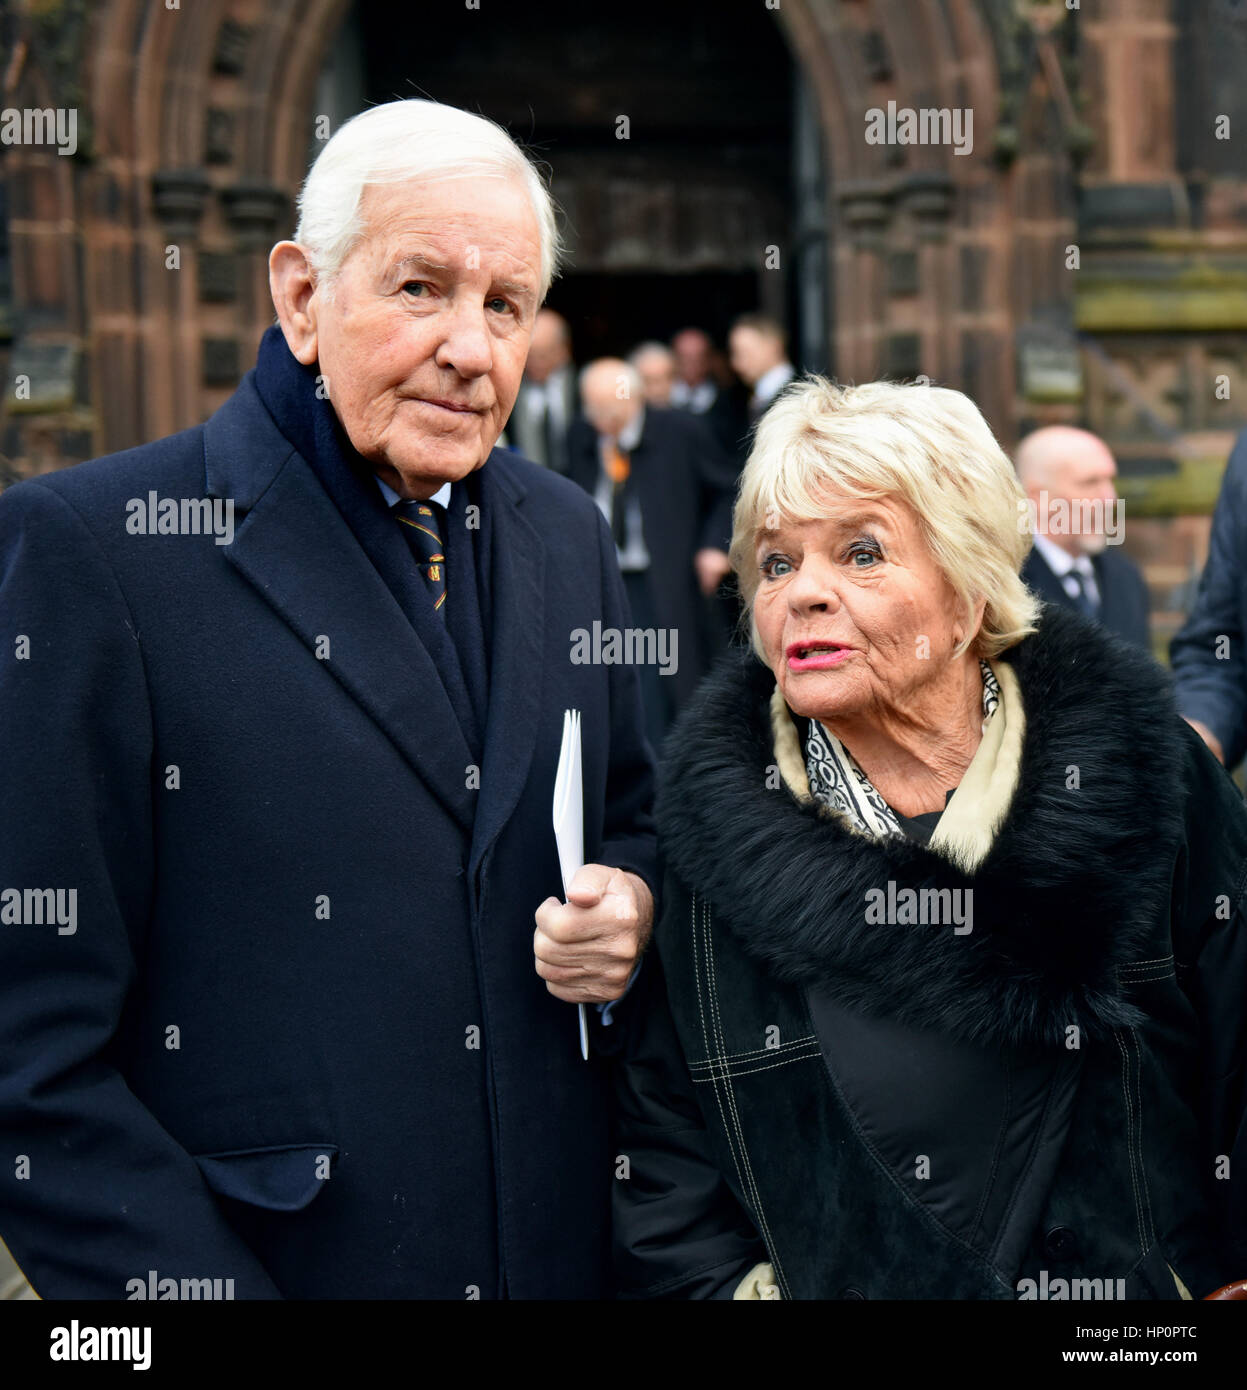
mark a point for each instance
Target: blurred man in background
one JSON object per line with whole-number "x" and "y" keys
{"x": 655, "y": 365}
{"x": 547, "y": 401}
{"x": 695, "y": 388}
{"x": 664, "y": 487}
{"x": 758, "y": 348}
{"x": 698, "y": 390}
{"x": 1076, "y": 560}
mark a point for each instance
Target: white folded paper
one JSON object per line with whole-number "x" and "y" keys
{"x": 569, "y": 824}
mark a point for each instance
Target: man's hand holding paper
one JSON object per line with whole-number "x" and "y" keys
{"x": 586, "y": 948}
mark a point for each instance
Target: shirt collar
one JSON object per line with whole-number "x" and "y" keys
{"x": 772, "y": 382}
{"x": 441, "y": 496}
{"x": 698, "y": 398}
{"x": 630, "y": 435}
{"x": 1060, "y": 561}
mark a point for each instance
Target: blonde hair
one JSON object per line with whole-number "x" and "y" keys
{"x": 926, "y": 445}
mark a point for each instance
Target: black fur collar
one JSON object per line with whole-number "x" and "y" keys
{"x": 1073, "y": 886}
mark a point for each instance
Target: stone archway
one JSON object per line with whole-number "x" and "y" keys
{"x": 201, "y": 119}
{"x": 925, "y": 242}
{"x": 198, "y": 131}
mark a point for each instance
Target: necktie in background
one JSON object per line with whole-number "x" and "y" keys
{"x": 1082, "y": 598}
{"x": 547, "y": 431}
{"x": 618, "y": 469}
{"x": 422, "y": 524}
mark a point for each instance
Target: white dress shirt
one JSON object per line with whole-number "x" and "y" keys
{"x": 633, "y": 556}
{"x": 770, "y": 384}
{"x": 697, "y": 399}
{"x": 1062, "y": 564}
{"x": 441, "y": 496}
{"x": 548, "y": 398}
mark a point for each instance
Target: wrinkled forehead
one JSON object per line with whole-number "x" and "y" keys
{"x": 468, "y": 222}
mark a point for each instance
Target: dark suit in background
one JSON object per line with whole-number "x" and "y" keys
{"x": 724, "y": 412}
{"x": 543, "y": 415}
{"x": 683, "y": 482}
{"x": 1124, "y": 602}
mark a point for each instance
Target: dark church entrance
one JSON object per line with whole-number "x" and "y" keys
{"x": 613, "y": 312}
{"x": 674, "y": 139}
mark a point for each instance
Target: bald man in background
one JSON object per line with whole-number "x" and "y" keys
{"x": 1073, "y": 563}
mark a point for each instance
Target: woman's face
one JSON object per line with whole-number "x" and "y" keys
{"x": 854, "y": 615}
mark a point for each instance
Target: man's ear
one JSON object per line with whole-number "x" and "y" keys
{"x": 292, "y": 284}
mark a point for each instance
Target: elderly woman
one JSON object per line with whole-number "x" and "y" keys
{"x": 952, "y": 931}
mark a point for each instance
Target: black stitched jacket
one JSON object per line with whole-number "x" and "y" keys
{"x": 1048, "y": 1105}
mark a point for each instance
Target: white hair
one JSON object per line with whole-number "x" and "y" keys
{"x": 404, "y": 140}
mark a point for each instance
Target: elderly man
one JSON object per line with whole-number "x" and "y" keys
{"x": 546, "y": 404}
{"x": 664, "y": 486}
{"x": 655, "y": 365}
{"x": 287, "y": 988}
{"x": 1075, "y": 517}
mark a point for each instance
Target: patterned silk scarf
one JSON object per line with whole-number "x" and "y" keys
{"x": 836, "y": 779}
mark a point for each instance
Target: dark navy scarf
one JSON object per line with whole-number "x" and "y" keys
{"x": 459, "y": 643}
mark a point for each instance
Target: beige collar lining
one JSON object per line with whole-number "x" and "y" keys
{"x": 965, "y": 831}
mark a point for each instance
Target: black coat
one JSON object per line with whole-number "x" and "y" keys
{"x": 904, "y": 1112}
{"x": 1124, "y": 602}
{"x": 727, "y": 418}
{"x": 280, "y": 854}
{"x": 532, "y": 442}
{"x": 684, "y": 483}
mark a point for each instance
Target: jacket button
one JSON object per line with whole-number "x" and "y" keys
{"x": 1060, "y": 1243}
{"x": 852, "y": 1293}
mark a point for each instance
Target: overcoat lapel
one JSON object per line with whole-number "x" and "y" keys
{"x": 295, "y": 548}
{"x": 517, "y": 664}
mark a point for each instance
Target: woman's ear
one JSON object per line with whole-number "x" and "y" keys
{"x": 973, "y": 623}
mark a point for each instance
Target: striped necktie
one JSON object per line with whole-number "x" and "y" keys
{"x": 422, "y": 525}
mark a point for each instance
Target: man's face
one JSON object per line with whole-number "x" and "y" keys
{"x": 422, "y": 336}
{"x": 1084, "y": 480}
{"x": 605, "y": 411}
{"x": 692, "y": 357}
{"x": 657, "y": 377}
{"x": 548, "y": 350}
{"x": 753, "y": 354}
